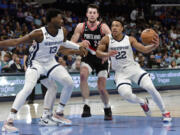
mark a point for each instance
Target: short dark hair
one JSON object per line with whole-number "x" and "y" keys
{"x": 52, "y": 13}
{"x": 93, "y": 6}
{"x": 118, "y": 20}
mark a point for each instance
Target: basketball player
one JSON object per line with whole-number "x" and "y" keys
{"x": 46, "y": 118}
{"x": 42, "y": 62}
{"x": 92, "y": 31}
{"x": 127, "y": 70}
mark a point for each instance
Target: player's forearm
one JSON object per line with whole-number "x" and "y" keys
{"x": 101, "y": 54}
{"x": 71, "y": 45}
{"x": 8, "y": 43}
{"x": 70, "y": 52}
{"x": 149, "y": 48}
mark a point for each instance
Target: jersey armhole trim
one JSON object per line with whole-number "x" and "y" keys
{"x": 82, "y": 31}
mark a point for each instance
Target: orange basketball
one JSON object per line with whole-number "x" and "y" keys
{"x": 147, "y": 36}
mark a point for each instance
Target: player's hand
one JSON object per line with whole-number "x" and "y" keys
{"x": 85, "y": 43}
{"x": 155, "y": 41}
{"x": 25, "y": 68}
{"x": 112, "y": 53}
{"x": 104, "y": 59}
{"x": 83, "y": 51}
{"x": 109, "y": 54}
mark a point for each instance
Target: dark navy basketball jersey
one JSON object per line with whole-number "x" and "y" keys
{"x": 93, "y": 36}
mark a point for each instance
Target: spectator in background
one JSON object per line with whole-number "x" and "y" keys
{"x": 173, "y": 64}
{"x": 16, "y": 66}
{"x": 62, "y": 62}
{"x": 14, "y": 55}
{"x": 134, "y": 15}
{"x": 69, "y": 61}
{"x": 76, "y": 65}
{"x": 5, "y": 63}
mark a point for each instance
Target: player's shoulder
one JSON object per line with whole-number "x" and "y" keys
{"x": 37, "y": 35}
{"x": 80, "y": 25}
{"x": 106, "y": 39}
{"x": 37, "y": 32}
{"x": 103, "y": 24}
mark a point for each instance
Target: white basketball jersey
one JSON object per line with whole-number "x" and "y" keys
{"x": 124, "y": 57}
{"x": 47, "y": 49}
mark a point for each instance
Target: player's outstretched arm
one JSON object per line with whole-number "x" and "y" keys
{"x": 67, "y": 51}
{"x": 34, "y": 35}
{"x": 102, "y": 47}
{"x": 70, "y": 44}
{"x": 145, "y": 49}
{"x": 105, "y": 29}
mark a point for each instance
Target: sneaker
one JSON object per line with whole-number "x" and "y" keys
{"x": 146, "y": 109}
{"x": 59, "y": 117}
{"x": 107, "y": 114}
{"x": 167, "y": 117}
{"x": 9, "y": 127}
{"x": 86, "y": 111}
{"x": 47, "y": 121}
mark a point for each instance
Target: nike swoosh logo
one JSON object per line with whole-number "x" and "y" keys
{"x": 45, "y": 121}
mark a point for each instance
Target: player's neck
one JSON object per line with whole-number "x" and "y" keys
{"x": 118, "y": 37}
{"x": 52, "y": 30}
{"x": 92, "y": 24}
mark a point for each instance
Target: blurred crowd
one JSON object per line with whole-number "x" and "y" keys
{"x": 19, "y": 17}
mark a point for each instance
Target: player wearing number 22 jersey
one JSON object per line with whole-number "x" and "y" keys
{"x": 127, "y": 70}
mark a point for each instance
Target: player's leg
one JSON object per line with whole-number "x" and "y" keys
{"x": 123, "y": 85}
{"x": 148, "y": 85}
{"x": 102, "y": 76}
{"x": 31, "y": 77}
{"x": 49, "y": 100}
{"x": 44, "y": 90}
{"x": 85, "y": 70}
{"x": 31, "y": 96}
{"x": 125, "y": 90}
{"x": 60, "y": 74}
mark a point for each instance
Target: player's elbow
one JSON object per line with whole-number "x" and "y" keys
{"x": 98, "y": 54}
{"x": 15, "y": 42}
{"x": 145, "y": 51}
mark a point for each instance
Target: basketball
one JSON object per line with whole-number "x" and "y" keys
{"x": 147, "y": 36}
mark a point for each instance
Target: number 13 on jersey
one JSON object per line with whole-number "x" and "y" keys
{"x": 53, "y": 49}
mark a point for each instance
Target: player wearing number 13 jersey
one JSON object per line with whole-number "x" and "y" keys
{"x": 42, "y": 62}
{"x": 127, "y": 70}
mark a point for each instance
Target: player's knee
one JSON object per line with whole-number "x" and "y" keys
{"x": 68, "y": 81}
{"x": 53, "y": 87}
{"x": 149, "y": 87}
{"x": 101, "y": 88}
{"x": 102, "y": 91}
{"x": 28, "y": 88}
{"x": 83, "y": 76}
{"x": 125, "y": 91}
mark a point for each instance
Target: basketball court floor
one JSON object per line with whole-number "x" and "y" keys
{"x": 128, "y": 119}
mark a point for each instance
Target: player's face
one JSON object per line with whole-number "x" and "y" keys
{"x": 58, "y": 21}
{"x": 116, "y": 28}
{"x": 92, "y": 14}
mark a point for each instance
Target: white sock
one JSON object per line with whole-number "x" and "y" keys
{"x": 11, "y": 116}
{"x": 46, "y": 113}
{"x": 60, "y": 108}
{"x": 107, "y": 105}
{"x": 86, "y": 101}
